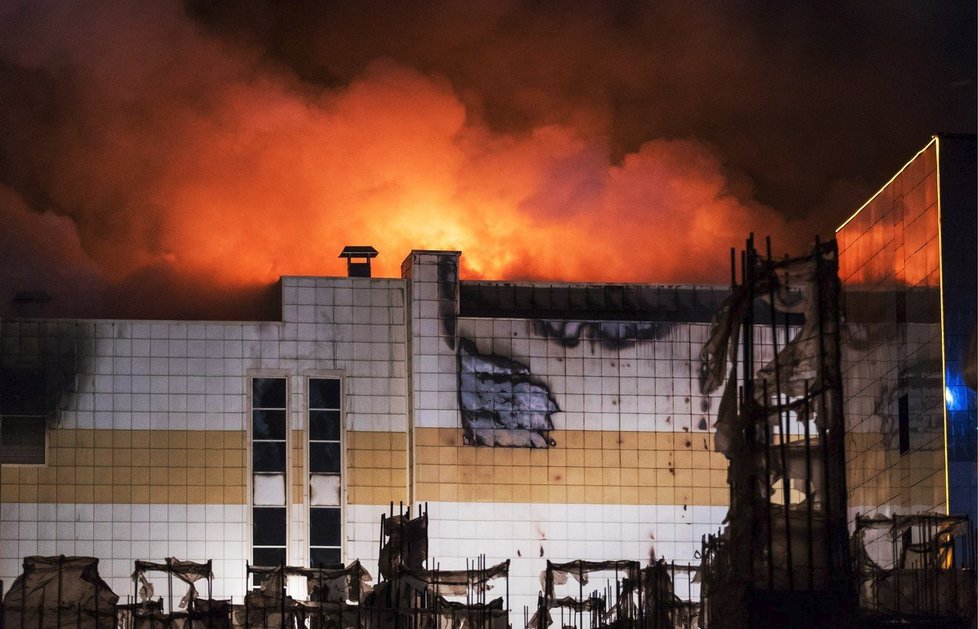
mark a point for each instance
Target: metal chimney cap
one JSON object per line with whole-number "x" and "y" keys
{"x": 358, "y": 251}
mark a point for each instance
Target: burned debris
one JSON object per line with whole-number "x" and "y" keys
{"x": 915, "y": 569}
{"x": 784, "y": 558}
{"x": 631, "y": 596}
{"x": 780, "y": 425}
{"x": 412, "y": 593}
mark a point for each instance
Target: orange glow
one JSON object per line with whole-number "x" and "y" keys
{"x": 230, "y": 172}
{"x": 894, "y": 238}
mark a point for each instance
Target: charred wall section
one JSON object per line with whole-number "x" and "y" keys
{"x": 39, "y": 365}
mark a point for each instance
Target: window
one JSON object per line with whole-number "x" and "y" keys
{"x": 23, "y": 418}
{"x": 22, "y": 439}
{"x": 903, "y": 411}
{"x": 269, "y": 427}
{"x": 325, "y": 472}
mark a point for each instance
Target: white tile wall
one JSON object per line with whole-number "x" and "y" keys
{"x": 193, "y": 375}
{"x": 119, "y": 534}
{"x": 432, "y": 349}
{"x": 562, "y": 532}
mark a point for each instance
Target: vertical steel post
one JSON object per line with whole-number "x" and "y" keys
{"x": 809, "y": 489}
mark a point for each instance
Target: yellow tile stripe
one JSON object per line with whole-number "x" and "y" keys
{"x": 376, "y": 466}
{"x": 188, "y": 467}
{"x": 592, "y": 467}
{"x": 135, "y": 467}
{"x": 197, "y": 467}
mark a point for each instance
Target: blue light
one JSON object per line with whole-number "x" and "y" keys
{"x": 948, "y": 397}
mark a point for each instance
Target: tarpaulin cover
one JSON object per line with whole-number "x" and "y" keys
{"x": 330, "y": 590}
{"x": 338, "y": 585}
{"x": 56, "y": 592}
{"x": 558, "y": 573}
{"x": 328, "y": 615}
{"x": 452, "y": 615}
{"x": 187, "y": 571}
{"x": 456, "y": 582}
{"x": 643, "y": 595}
{"x": 212, "y": 614}
{"x": 592, "y": 604}
{"x": 265, "y": 609}
{"x": 807, "y": 285}
{"x": 333, "y": 585}
{"x": 406, "y": 546}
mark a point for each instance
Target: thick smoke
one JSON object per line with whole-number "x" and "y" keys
{"x": 161, "y": 160}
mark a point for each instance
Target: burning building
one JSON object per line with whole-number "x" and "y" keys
{"x": 538, "y": 422}
{"x": 560, "y": 427}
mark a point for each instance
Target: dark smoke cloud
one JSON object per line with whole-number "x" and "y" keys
{"x": 804, "y": 97}
{"x": 172, "y": 160}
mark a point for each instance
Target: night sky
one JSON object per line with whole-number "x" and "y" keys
{"x": 172, "y": 160}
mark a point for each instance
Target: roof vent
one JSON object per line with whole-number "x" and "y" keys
{"x": 358, "y": 260}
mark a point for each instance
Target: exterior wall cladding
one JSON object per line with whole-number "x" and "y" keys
{"x": 908, "y": 267}
{"x": 161, "y": 431}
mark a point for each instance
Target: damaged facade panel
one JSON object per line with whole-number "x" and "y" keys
{"x": 780, "y": 425}
{"x": 39, "y": 366}
{"x": 500, "y": 403}
{"x": 610, "y": 334}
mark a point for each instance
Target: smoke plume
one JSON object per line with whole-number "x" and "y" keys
{"x": 168, "y": 160}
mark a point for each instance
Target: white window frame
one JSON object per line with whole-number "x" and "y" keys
{"x": 307, "y": 472}
{"x": 249, "y": 425}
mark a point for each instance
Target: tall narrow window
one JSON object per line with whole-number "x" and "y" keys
{"x": 268, "y": 461}
{"x": 325, "y": 472}
{"x": 903, "y": 412}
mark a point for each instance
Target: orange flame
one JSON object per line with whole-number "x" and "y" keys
{"x": 227, "y": 172}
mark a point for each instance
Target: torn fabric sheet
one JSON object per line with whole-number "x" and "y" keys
{"x": 62, "y": 588}
{"x": 187, "y": 571}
